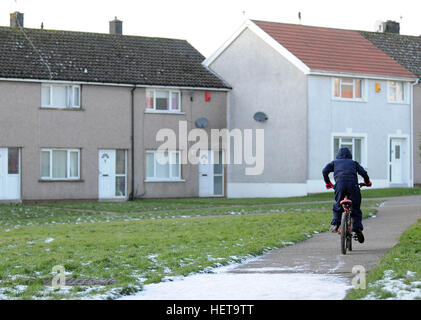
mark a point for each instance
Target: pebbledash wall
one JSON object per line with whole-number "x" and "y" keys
{"x": 264, "y": 81}
{"x": 374, "y": 119}
{"x": 102, "y": 122}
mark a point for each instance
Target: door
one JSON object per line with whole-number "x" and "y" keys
{"x": 211, "y": 172}
{"x": 112, "y": 174}
{"x": 397, "y": 161}
{"x": 9, "y": 174}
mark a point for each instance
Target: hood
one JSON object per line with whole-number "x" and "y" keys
{"x": 344, "y": 153}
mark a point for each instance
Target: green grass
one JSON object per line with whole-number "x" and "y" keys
{"x": 141, "y": 247}
{"x": 15, "y": 216}
{"x": 151, "y": 205}
{"x": 404, "y": 257}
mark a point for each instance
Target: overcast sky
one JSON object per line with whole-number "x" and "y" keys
{"x": 206, "y": 24}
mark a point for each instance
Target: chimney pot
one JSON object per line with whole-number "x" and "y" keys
{"x": 16, "y": 19}
{"x": 116, "y": 26}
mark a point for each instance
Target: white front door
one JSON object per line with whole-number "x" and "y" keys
{"x": 9, "y": 173}
{"x": 211, "y": 173}
{"x": 112, "y": 174}
{"x": 397, "y": 160}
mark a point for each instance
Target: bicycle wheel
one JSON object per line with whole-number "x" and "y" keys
{"x": 343, "y": 234}
{"x": 349, "y": 242}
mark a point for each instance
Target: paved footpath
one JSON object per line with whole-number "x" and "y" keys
{"x": 321, "y": 254}
{"x": 313, "y": 269}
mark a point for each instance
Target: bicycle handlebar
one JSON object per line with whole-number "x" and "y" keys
{"x": 363, "y": 184}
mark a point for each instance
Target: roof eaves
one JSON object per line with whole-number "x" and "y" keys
{"x": 361, "y": 75}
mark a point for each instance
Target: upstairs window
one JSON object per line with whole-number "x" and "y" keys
{"x": 348, "y": 89}
{"x": 60, "y": 96}
{"x": 163, "y": 100}
{"x": 396, "y": 91}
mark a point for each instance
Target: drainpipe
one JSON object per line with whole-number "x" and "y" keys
{"x": 132, "y": 193}
{"x": 412, "y": 129}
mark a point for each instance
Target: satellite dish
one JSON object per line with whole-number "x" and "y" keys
{"x": 260, "y": 117}
{"x": 202, "y": 122}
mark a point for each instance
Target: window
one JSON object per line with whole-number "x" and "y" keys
{"x": 163, "y": 100}
{"x": 120, "y": 173}
{"x": 353, "y": 144}
{"x": 348, "y": 88}
{"x": 163, "y": 165}
{"x": 60, "y": 96}
{"x": 60, "y": 164}
{"x": 13, "y": 161}
{"x": 396, "y": 91}
{"x": 218, "y": 172}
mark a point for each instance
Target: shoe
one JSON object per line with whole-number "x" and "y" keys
{"x": 358, "y": 235}
{"x": 334, "y": 229}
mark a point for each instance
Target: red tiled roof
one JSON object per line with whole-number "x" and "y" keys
{"x": 337, "y": 50}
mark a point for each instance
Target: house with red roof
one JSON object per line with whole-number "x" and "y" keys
{"x": 320, "y": 89}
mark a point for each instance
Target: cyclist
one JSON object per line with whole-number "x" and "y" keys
{"x": 345, "y": 172}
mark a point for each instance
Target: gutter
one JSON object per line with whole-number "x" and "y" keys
{"x": 412, "y": 129}
{"x": 114, "y": 84}
{"x": 132, "y": 191}
{"x": 358, "y": 75}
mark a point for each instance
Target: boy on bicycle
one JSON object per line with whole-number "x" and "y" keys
{"x": 345, "y": 172}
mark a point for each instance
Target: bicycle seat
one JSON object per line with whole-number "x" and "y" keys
{"x": 346, "y": 202}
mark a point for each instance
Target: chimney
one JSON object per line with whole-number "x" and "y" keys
{"x": 16, "y": 19}
{"x": 116, "y": 26}
{"x": 388, "y": 27}
{"x": 392, "y": 27}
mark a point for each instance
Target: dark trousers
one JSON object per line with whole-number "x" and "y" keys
{"x": 352, "y": 190}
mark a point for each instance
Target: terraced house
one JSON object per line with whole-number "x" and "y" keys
{"x": 320, "y": 89}
{"x": 406, "y": 50}
{"x": 79, "y": 113}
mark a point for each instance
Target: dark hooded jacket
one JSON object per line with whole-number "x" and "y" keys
{"x": 344, "y": 168}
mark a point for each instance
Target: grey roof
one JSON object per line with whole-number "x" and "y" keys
{"x": 106, "y": 58}
{"x": 406, "y": 50}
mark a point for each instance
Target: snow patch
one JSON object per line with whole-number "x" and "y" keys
{"x": 249, "y": 286}
{"x": 397, "y": 287}
{"x": 273, "y": 269}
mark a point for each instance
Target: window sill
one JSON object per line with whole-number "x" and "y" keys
{"x": 61, "y": 180}
{"x": 164, "y": 112}
{"x": 163, "y": 180}
{"x": 62, "y": 109}
{"x": 348, "y": 100}
{"x": 399, "y": 102}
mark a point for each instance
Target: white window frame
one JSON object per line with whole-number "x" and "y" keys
{"x": 350, "y": 135}
{"x": 120, "y": 174}
{"x": 405, "y": 92}
{"x": 171, "y": 178}
{"x": 170, "y": 92}
{"x": 50, "y": 177}
{"x": 363, "y": 89}
{"x": 70, "y": 91}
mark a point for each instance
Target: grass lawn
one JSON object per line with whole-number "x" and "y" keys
{"x": 143, "y": 245}
{"x": 149, "y": 205}
{"x": 398, "y": 274}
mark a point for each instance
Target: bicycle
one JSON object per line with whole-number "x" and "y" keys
{"x": 345, "y": 229}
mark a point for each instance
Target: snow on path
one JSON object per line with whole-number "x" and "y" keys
{"x": 222, "y": 285}
{"x": 248, "y": 286}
